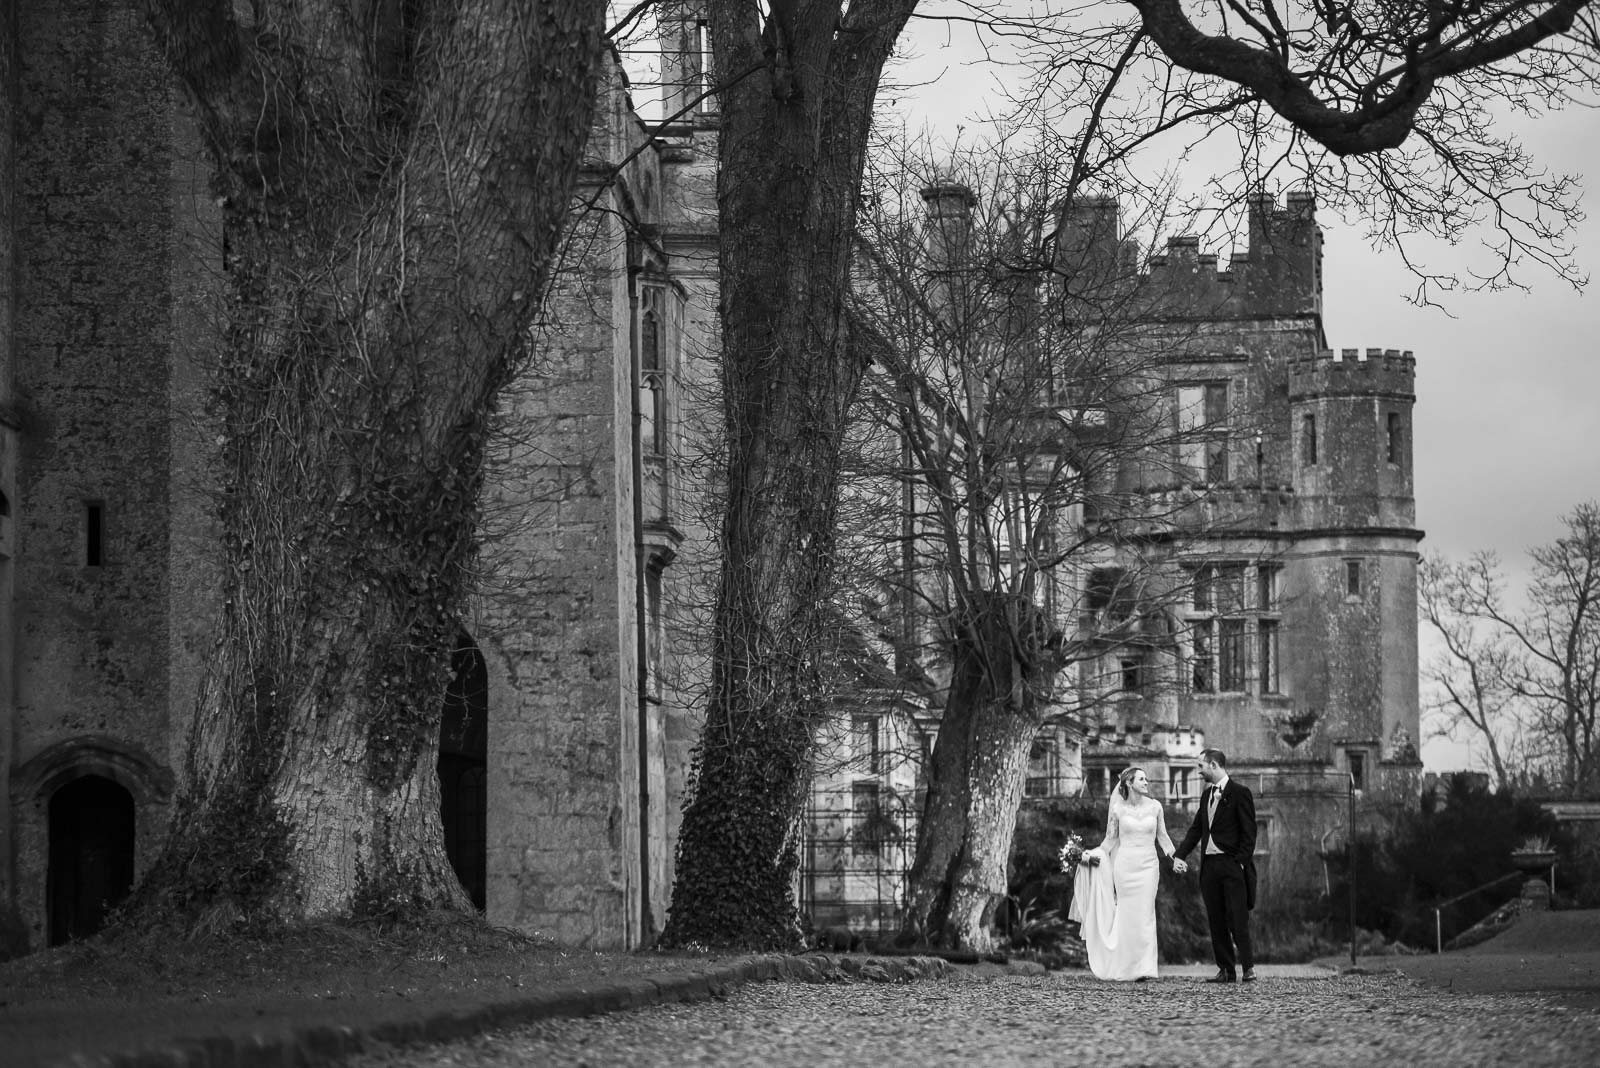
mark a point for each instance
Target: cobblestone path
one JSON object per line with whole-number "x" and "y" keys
{"x": 1055, "y": 1019}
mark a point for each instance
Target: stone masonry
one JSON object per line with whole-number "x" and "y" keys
{"x": 110, "y": 247}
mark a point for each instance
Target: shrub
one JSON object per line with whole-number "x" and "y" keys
{"x": 1459, "y": 839}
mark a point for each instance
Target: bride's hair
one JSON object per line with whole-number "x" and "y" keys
{"x": 1124, "y": 779}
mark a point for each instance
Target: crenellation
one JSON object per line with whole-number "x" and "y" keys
{"x": 1375, "y": 371}
{"x": 1277, "y": 274}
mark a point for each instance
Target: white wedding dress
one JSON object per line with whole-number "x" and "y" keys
{"x": 1115, "y": 900}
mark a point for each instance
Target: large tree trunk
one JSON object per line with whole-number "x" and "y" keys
{"x": 394, "y": 179}
{"x": 795, "y": 112}
{"x": 978, "y": 768}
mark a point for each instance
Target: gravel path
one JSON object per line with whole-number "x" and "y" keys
{"x": 1053, "y": 1019}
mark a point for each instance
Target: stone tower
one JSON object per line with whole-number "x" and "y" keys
{"x": 1352, "y": 587}
{"x": 1283, "y": 498}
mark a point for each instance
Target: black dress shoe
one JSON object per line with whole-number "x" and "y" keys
{"x": 1222, "y": 977}
{"x": 1249, "y": 975}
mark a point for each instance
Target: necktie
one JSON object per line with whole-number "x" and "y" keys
{"x": 1214, "y": 795}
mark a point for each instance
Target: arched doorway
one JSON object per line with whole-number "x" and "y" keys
{"x": 463, "y": 767}
{"x": 91, "y": 855}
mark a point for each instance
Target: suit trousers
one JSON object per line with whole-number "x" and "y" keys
{"x": 1226, "y": 897}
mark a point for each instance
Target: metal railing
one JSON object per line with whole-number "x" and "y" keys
{"x": 1438, "y": 910}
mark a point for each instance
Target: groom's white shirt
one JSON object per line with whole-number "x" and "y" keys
{"x": 1211, "y": 813}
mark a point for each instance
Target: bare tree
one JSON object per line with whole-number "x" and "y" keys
{"x": 1528, "y": 678}
{"x": 394, "y": 177}
{"x": 1471, "y": 675}
{"x": 798, "y": 82}
{"x": 1028, "y": 435}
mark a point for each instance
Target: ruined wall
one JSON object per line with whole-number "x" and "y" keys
{"x": 96, "y": 239}
{"x": 557, "y": 621}
{"x": 13, "y": 938}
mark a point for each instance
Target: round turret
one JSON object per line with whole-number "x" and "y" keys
{"x": 1351, "y": 426}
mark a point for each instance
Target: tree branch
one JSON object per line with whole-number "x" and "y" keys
{"x": 1382, "y": 121}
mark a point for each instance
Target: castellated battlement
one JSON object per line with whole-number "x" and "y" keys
{"x": 1351, "y": 371}
{"x": 1279, "y": 274}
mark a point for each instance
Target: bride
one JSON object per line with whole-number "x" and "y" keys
{"x": 1115, "y": 892}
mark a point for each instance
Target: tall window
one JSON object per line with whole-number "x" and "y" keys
{"x": 1203, "y": 661}
{"x": 1230, "y": 656}
{"x": 1228, "y": 587}
{"x": 652, "y": 372}
{"x": 1267, "y": 654}
{"x": 1132, "y": 674}
{"x": 1308, "y": 438}
{"x": 1352, "y": 578}
{"x": 1356, "y": 762}
{"x": 94, "y": 533}
{"x": 1267, "y": 587}
{"x": 1110, "y": 594}
{"x": 1394, "y": 437}
{"x": 653, "y": 631}
{"x": 867, "y": 742}
{"x": 1234, "y": 628}
{"x": 1203, "y": 432}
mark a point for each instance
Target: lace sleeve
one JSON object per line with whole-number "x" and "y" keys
{"x": 1113, "y": 827}
{"x": 1163, "y": 840}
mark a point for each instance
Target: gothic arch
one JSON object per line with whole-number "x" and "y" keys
{"x": 48, "y": 770}
{"x": 89, "y": 811}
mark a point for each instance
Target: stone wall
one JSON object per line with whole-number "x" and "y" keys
{"x": 13, "y": 938}
{"x": 97, "y": 240}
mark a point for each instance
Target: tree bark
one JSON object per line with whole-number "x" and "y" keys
{"x": 796, "y": 108}
{"x": 394, "y": 180}
{"x": 975, "y": 781}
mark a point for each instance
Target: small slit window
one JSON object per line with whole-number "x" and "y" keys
{"x": 1352, "y": 578}
{"x": 1394, "y": 438}
{"x": 1308, "y": 437}
{"x": 94, "y": 533}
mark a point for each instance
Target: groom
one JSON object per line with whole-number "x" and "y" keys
{"x": 1225, "y": 829}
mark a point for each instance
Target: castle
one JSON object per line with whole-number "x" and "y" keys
{"x": 1282, "y": 511}
{"x": 568, "y": 728}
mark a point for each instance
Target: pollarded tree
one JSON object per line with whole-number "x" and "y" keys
{"x": 797, "y": 84}
{"x": 1019, "y": 382}
{"x": 394, "y": 178}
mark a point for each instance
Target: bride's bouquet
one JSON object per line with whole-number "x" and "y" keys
{"x": 1072, "y": 852}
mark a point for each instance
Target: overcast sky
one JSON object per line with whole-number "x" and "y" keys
{"x": 1507, "y": 383}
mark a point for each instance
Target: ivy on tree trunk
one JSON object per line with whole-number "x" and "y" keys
{"x": 394, "y": 177}
{"x": 796, "y": 107}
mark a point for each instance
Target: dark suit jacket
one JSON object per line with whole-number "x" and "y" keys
{"x": 1234, "y": 831}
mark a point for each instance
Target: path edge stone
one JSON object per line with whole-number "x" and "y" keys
{"x": 322, "y": 1044}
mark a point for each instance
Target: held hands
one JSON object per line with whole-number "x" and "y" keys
{"x": 1092, "y": 857}
{"x": 1179, "y": 865}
